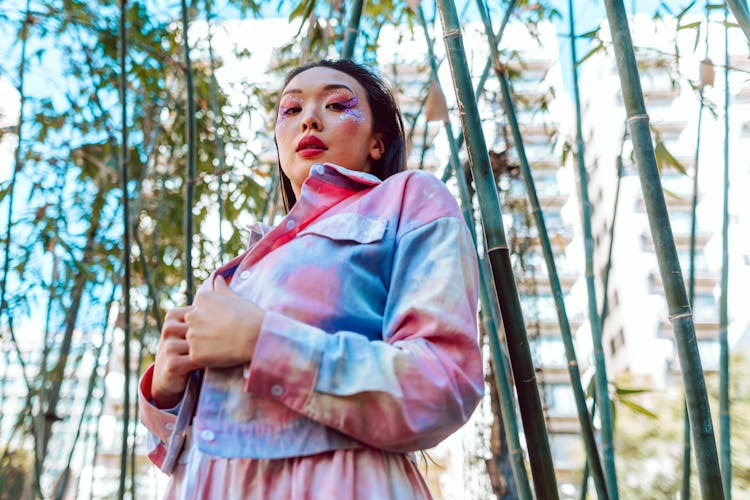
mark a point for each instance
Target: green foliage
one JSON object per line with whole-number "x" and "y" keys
{"x": 15, "y": 474}
{"x": 664, "y": 158}
{"x": 66, "y": 247}
{"x": 649, "y": 447}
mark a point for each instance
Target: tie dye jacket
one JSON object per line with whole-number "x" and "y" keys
{"x": 369, "y": 338}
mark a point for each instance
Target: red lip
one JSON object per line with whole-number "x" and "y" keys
{"x": 310, "y": 142}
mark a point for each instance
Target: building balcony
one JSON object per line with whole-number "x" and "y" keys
{"x": 566, "y": 424}
{"x": 550, "y": 195}
{"x": 709, "y": 354}
{"x": 548, "y": 325}
{"x": 530, "y": 65}
{"x": 742, "y": 96}
{"x": 539, "y": 278}
{"x": 660, "y": 95}
{"x": 739, "y": 61}
{"x": 703, "y": 331}
{"x": 681, "y": 238}
{"x": 705, "y": 280}
{"x": 538, "y": 131}
{"x": 706, "y": 324}
{"x": 669, "y": 128}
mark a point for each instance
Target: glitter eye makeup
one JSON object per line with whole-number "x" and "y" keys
{"x": 350, "y": 111}
{"x": 289, "y": 107}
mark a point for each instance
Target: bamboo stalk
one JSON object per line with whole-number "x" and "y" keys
{"x": 686, "y": 448}
{"x": 71, "y": 317}
{"x": 61, "y": 487}
{"x": 218, "y": 142}
{"x": 191, "y": 158}
{"x": 3, "y": 376}
{"x": 189, "y": 399}
{"x": 532, "y": 415}
{"x": 724, "y": 421}
{"x": 125, "y": 247}
{"x": 352, "y": 30}
{"x": 424, "y": 148}
{"x": 600, "y": 374}
{"x": 98, "y": 420}
{"x": 610, "y": 248}
{"x": 43, "y": 373}
{"x": 587, "y": 429}
{"x": 691, "y": 292}
{"x": 739, "y": 9}
{"x": 679, "y": 308}
{"x": 454, "y": 158}
{"x": 479, "y": 91}
{"x": 415, "y": 117}
{"x": 141, "y": 348}
{"x": 586, "y": 470}
{"x": 17, "y": 164}
{"x": 502, "y": 382}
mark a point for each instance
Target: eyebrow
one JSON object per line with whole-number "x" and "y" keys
{"x": 330, "y": 86}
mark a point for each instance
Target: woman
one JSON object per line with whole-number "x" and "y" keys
{"x": 342, "y": 339}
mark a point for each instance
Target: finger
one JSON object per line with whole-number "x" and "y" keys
{"x": 177, "y": 367}
{"x": 185, "y": 364}
{"x": 220, "y": 285}
{"x": 174, "y": 328}
{"x": 177, "y": 313}
{"x": 177, "y": 346}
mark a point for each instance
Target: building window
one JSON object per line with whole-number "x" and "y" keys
{"x": 548, "y": 352}
{"x": 705, "y": 308}
{"x": 541, "y": 307}
{"x": 567, "y": 450}
{"x": 709, "y": 351}
{"x": 559, "y": 399}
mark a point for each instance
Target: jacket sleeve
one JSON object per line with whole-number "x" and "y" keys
{"x": 158, "y": 422}
{"x": 410, "y": 390}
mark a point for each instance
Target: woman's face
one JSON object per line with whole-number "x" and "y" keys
{"x": 324, "y": 116}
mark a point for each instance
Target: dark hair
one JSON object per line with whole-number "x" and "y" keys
{"x": 386, "y": 119}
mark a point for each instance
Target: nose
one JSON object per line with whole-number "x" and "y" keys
{"x": 311, "y": 121}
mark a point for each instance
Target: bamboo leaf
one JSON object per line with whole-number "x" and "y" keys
{"x": 639, "y": 409}
{"x": 599, "y": 47}
{"x": 685, "y": 10}
{"x": 622, "y": 391}
{"x": 689, "y": 26}
{"x": 664, "y": 158}
{"x": 566, "y": 148}
{"x": 590, "y": 34}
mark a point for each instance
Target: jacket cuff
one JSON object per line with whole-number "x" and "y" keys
{"x": 159, "y": 421}
{"x": 286, "y": 360}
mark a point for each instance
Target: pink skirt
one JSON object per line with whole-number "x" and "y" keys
{"x": 363, "y": 473}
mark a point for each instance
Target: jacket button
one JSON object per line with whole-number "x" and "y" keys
{"x": 318, "y": 168}
{"x": 290, "y": 224}
{"x": 207, "y": 435}
{"x": 277, "y": 390}
{"x": 245, "y": 275}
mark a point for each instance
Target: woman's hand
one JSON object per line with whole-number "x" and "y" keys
{"x": 173, "y": 363}
{"x": 222, "y": 327}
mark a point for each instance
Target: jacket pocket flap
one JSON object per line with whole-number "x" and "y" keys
{"x": 349, "y": 227}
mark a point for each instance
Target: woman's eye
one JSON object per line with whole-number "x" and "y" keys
{"x": 290, "y": 110}
{"x": 337, "y": 106}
